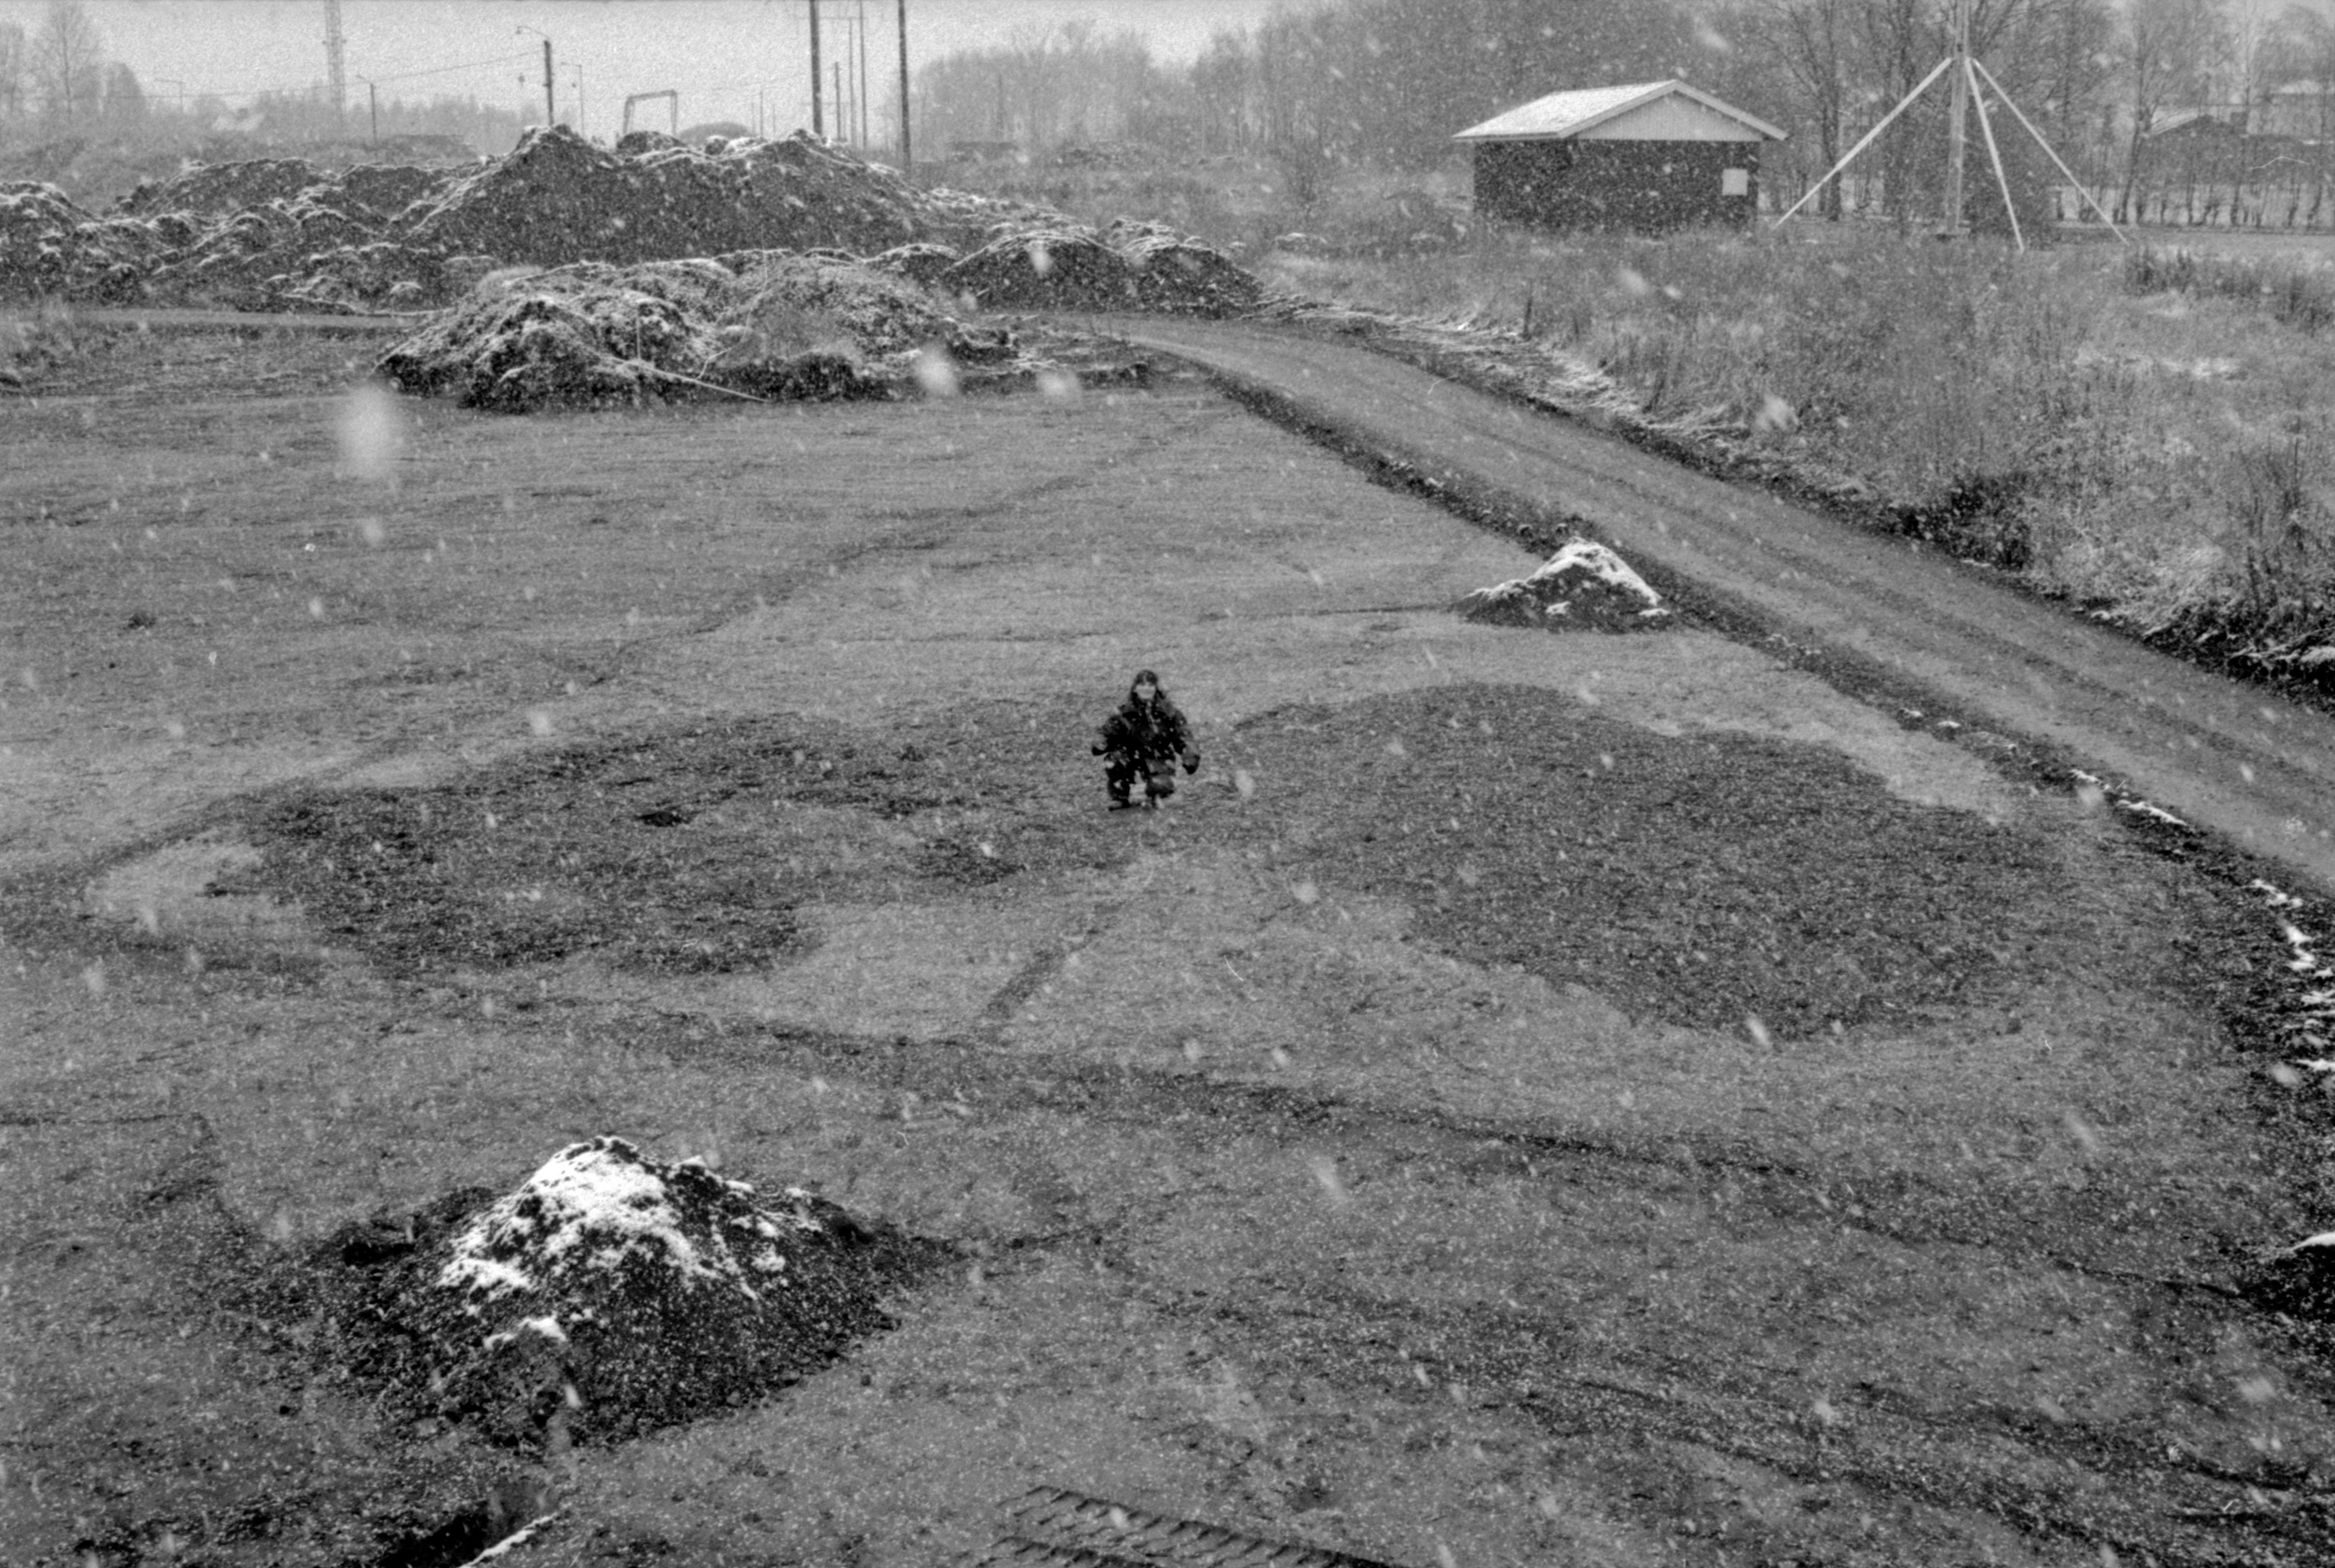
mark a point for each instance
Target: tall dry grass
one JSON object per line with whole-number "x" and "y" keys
{"x": 2299, "y": 292}
{"x": 2153, "y": 444}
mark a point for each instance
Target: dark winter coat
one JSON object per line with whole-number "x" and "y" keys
{"x": 1145, "y": 731}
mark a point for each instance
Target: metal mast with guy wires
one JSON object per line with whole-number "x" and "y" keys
{"x": 1970, "y": 82}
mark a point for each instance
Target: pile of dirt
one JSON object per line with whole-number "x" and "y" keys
{"x": 921, "y": 263}
{"x": 217, "y": 190}
{"x": 607, "y": 1295}
{"x": 558, "y": 198}
{"x": 50, "y": 246}
{"x": 250, "y": 260}
{"x": 1583, "y": 584}
{"x": 1125, "y": 266}
{"x": 759, "y": 324}
{"x": 282, "y": 233}
{"x": 1066, "y": 266}
{"x": 1174, "y": 272}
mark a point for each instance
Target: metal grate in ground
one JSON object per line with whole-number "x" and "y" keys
{"x": 1050, "y": 1527}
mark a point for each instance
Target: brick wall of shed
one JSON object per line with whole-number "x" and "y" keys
{"x": 1631, "y": 185}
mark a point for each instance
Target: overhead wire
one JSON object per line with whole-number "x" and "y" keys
{"x": 186, "y": 93}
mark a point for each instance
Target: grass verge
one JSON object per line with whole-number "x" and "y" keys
{"x": 2155, "y": 458}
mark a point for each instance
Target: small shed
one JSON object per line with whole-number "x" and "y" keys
{"x": 1653, "y": 155}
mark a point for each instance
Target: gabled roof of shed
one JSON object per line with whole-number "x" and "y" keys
{"x": 1564, "y": 114}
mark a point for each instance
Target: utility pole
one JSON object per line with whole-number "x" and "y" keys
{"x": 336, "y": 71}
{"x": 373, "y": 103}
{"x": 905, "y": 162}
{"x": 818, "y": 116}
{"x": 1958, "y": 120}
{"x": 862, "y": 19}
{"x": 550, "y": 111}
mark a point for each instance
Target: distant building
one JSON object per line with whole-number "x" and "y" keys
{"x": 1651, "y": 156}
{"x": 2301, "y": 110}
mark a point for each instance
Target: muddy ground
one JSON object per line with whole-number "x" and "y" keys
{"x": 1528, "y": 1099}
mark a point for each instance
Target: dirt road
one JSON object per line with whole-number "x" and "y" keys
{"x": 1954, "y": 639}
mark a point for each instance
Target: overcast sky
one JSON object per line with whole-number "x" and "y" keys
{"x": 719, "y": 54}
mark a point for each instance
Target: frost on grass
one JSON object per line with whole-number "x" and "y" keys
{"x": 2299, "y": 1279}
{"x": 2307, "y": 999}
{"x": 1582, "y": 585}
{"x": 609, "y": 1294}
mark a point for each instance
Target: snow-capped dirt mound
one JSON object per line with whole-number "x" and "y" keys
{"x": 609, "y": 1294}
{"x": 761, "y": 324}
{"x": 1582, "y": 585}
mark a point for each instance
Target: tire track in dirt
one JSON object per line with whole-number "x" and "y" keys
{"x": 2240, "y": 760}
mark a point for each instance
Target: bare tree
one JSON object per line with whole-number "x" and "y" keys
{"x": 1811, "y": 45}
{"x": 125, "y": 98}
{"x": 2170, "y": 49}
{"x": 1220, "y": 83}
{"x": 2308, "y": 46}
{"x": 2254, "y": 56}
{"x": 68, "y": 59}
{"x": 2069, "y": 47}
{"x": 1034, "y": 68}
{"x": 1296, "y": 82}
{"x": 13, "y": 67}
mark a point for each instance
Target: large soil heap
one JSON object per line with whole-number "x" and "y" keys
{"x": 558, "y": 198}
{"x": 283, "y": 235}
{"x": 609, "y": 1294}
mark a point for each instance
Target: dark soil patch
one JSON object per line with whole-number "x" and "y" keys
{"x": 674, "y": 851}
{"x": 1702, "y": 880}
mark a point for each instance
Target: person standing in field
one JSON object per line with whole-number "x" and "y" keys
{"x": 1143, "y": 741}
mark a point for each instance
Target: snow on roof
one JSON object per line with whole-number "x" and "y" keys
{"x": 1569, "y": 113}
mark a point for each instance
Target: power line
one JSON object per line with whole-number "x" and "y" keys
{"x": 186, "y": 93}
{"x": 474, "y": 66}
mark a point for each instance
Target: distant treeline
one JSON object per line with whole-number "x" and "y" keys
{"x": 2123, "y": 92}
{"x": 58, "y": 83}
